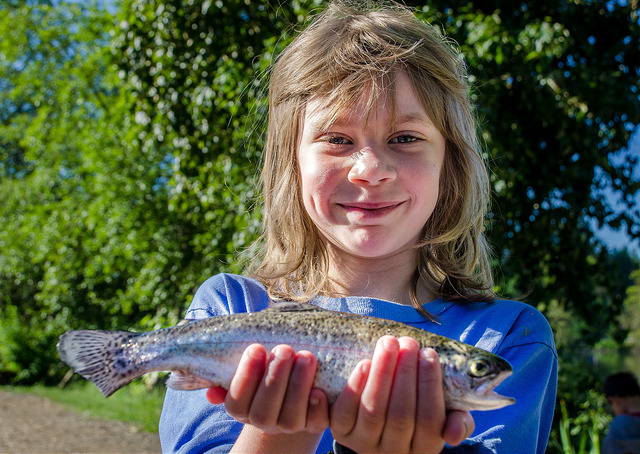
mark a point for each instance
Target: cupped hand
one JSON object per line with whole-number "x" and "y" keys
{"x": 274, "y": 392}
{"x": 395, "y": 403}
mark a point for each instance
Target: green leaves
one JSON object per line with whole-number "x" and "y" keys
{"x": 130, "y": 145}
{"x": 79, "y": 215}
{"x": 555, "y": 107}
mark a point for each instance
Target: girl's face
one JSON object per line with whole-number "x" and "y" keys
{"x": 370, "y": 181}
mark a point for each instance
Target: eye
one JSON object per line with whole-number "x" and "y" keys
{"x": 404, "y": 139}
{"x": 337, "y": 140}
{"x": 478, "y": 367}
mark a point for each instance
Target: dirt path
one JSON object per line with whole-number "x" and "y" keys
{"x": 32, "y": 424}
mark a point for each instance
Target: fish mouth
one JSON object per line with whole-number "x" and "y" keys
{"x": 482, "y": 397}
{"x": 485, "y": 398}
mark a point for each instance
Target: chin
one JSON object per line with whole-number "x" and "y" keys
{"x": 373, "y": 252}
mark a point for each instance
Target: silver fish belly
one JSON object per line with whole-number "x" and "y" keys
{"x": 206, "y": 353}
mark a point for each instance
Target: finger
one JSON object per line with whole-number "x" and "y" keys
{"x": 293, "y": 415}
{"x": 430, "y": 411}
{"x": 375, "y": 397}
{"x": 372, "y": 409}
{"x": 245, "y": 382}
{"x": 344, "y": 411}
{"x": 318, "y": 412}
{"x": 401, "y": 413}
{"x": 267, "y": 402}
{"x": 459, "y": 427}
{"x": 216, "y": 395}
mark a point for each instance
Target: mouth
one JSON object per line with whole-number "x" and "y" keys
{"x": 489, "y": 399}
{"x": 367, "y": 209}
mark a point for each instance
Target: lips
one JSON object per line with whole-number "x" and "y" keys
{"x": 370, "y": 209}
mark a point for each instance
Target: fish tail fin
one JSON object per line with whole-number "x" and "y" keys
{"x": 99, "y": 356}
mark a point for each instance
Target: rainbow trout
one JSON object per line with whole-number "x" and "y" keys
{"x": 205, "y": 353}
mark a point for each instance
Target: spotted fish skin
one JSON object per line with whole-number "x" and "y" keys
{"x": 206, "y": 353}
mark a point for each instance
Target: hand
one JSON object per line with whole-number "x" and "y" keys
{"x": 275, "y": 394}
{"x": 395, "y": 403}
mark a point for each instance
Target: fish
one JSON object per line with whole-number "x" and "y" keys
{"x": 205, "y": 353}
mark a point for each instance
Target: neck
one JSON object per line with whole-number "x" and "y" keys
{"x": 388, "y": 278}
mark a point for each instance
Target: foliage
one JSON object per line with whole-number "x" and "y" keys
{"x": 197, "y": 71}
{"x": 129, "y": 149}
{"x": 630, "y": 317}
{"x": 548, "y": 137}
{"x": 584, "y": 429}
{"x": 557, "y": 90}
{"x": 87, "y": 237}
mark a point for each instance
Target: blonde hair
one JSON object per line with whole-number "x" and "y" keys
{"x": 350, "y": 46}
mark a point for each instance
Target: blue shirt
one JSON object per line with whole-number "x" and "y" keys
{"x": 623, "y": 436}
{"x": 513, "y": 330}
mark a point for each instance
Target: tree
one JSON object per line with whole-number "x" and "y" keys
{"x": 196, "y": 70}
{"x": 87, "y": 239}
{"x": 43, "y": 61}
{"x": 557, "y": 89}
{"x": 130, "y": 147}
{"x": 630, "y": 317}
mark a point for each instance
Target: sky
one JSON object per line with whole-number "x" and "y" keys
{"x": 617, "y": 240}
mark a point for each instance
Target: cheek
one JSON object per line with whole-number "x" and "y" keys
{"x": 318, "y": 179}
{"x": 424, "y": 180}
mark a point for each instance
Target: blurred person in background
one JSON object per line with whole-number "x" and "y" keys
{"x": 623, "y": 394}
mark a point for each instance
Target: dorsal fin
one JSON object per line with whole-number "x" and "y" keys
{"x": 290, "y": 306}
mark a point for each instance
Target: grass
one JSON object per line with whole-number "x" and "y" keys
{"x": 133, "y": 404}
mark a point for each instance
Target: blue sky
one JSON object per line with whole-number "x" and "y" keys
{"x": 616, "y": 240}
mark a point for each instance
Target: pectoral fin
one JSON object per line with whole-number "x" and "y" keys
{"x": 186, "y": 381}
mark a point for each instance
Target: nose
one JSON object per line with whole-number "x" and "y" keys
{"x": 371, "y": 167}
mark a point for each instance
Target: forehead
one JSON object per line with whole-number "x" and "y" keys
{"x": 395, "y": 97}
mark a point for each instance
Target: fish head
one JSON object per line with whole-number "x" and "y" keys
{"x": 470, "y": 379}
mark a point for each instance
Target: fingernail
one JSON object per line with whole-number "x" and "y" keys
{"x": 466, "y": 433}
{"x": 429, "y": 355}
{"x": 408, "y": 343}
{"x": 282, "y": 353}
{"x": 302, "y": 360}
{"x": 358, "y": 379}
{"x": 254, "y": 352}
{"x": 314, "y": 399}
{"x": 389, "y": 343}
{"x": 469, "y": 428}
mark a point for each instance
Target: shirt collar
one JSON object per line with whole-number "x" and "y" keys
{"x": 389, "y": 310}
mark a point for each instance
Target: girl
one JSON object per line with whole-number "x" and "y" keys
{"x": 375, "y": 196}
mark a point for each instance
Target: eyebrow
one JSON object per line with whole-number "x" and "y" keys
{"x": 413, "y": 117}
{"x": 321, "y": 122}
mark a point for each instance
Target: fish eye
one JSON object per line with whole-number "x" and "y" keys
{"x": 478, "y": 367}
